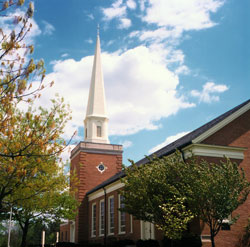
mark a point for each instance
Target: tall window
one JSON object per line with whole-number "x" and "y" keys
{"x": 122, "y": 215}
{"x": 131, "y": 224}
{"x": 101, "y": 220}
{"x": 99, "y": 131}
{"x": 111, "y": 216}
{"x": 93, "y": 221}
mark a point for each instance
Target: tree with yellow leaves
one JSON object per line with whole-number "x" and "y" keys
{"x": 30, "y": 140}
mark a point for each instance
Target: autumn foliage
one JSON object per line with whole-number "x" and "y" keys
{"x": 30, "y": 137}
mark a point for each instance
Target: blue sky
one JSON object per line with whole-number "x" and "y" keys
{"x": 169, "y": 65}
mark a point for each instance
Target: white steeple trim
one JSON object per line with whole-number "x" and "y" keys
{"x": 96, "y": 120}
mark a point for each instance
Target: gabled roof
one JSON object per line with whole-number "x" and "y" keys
{"x": 186, "y": 140}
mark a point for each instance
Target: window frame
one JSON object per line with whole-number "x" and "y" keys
{"x": 93, "y": 220}
{"x": 121, "y": 222}
{"x": 131, "y": 223}
{"x": 99, "y": 131}
{"x": 101, "y": 218}
{"x": 111, "y": 229}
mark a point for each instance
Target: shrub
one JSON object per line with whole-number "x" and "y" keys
{"x": 65, "y": 244}
{"x": 147, "y": 243}
{"x": 186, "y": 241}
{"x": 123, "y": 243}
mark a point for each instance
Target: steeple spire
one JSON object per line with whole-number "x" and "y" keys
{"x": 96, "y": 120}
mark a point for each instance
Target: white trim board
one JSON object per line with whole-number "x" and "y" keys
{"x": 109, "y": 188}
{"x": 221, "y": 124}
{"x": 214, "y": 151}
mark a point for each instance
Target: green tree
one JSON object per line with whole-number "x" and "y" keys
{"x": 44, "y": 208}
{"x": 150, "y": 194}
{"x": 30, "y": 148}
{"x": 31, "y": 178}
{"x": 169, "y": 192}
{"x": 30, "y": 140}
{"x": 218, "y": 189}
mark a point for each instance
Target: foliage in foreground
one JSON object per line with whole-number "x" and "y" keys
{"x": 210, "y": 191}
{"x": 32, "y": 179}
{"x": 152, "y": 193}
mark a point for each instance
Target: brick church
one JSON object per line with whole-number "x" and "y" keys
{"x": 98, "y": 166}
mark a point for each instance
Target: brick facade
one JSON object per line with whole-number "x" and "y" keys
{"x": 87, "y": 156}
{"x": 132, "y": 227}
{"x": 236, "y": 134}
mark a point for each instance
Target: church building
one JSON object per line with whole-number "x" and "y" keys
{"x": 98, "y": 167}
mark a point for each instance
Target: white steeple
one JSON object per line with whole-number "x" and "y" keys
{"x": 96, "y": 120}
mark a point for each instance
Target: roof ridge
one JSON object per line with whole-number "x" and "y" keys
{"x": 177, "y": 144}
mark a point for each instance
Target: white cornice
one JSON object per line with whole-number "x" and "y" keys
{"x": 214, "y": 151}
{"x": 109, "y": 188}
{"x": 221, "y": 124}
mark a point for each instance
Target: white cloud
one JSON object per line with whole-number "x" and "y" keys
{"x": 66, "y": 154}
{"x": 91, "y": 16}
{"x": 142, "y": 4}
{"x": 131, "y": 4}
{"x": 137, "y": 97}
{"x": 116, "y": 10}
{"x": 173, "y": 17}
{"x": 90, "y": 41}
{"x": 208, "y": 92}
{"x": 183, "y": 69}
{"x": 126, "y": 144}
{"x": 65, "y": 55}
{"x": 7, "y": 25}
{"x": 182, "y": 14}
{"x": 48, "y": 28}
{"x": 110, "y": 42}
{"x": 125, "y": 23}
{"x": 168, "y": 140}
{"x": 156, "y": 35}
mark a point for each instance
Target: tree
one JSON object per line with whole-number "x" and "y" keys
{"x": 30, "y": 145}
{"x": 218, "y": 190}
{"x": 30, "y": 139}
{"x": 31, "y": 177}
{"x": 45, "y": 208}
{"x": 210, "y": 191}
{"x": 16, "y": 67}
{"x": 150, "y": 194}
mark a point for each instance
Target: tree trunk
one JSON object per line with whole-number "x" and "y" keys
{"x": 25, "y": 232}
{"x": 212, "y": 241}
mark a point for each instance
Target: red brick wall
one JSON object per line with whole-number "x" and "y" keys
{"x": 136, "y": 231}
{"x": 237, "y": 134}
{"x": 84, "y": 164}
{"x": 64, "y": 233}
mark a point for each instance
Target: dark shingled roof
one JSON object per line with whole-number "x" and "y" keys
{"x": 178, "y": 144}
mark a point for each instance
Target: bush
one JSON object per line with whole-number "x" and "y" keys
{"x": 147, "y": 243}
{"x": 123, "y": 243}
{"x": 65, "y": 244}
{"x": 94, "y": 245}
{"x": 186, "y": 241}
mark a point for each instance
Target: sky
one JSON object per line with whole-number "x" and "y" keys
{"x": 169, "y": 66}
